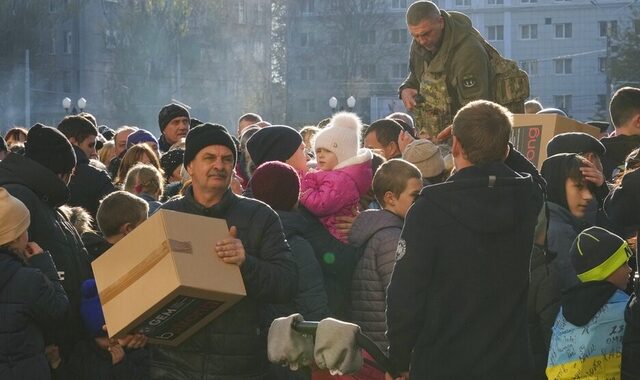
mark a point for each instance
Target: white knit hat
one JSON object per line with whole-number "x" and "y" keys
{"x": 14, "y": 217}
{"x": 341, "y": 136}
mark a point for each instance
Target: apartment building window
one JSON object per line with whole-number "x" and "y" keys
{"x": 564, "y": 30}
{"x": 608, "y": 28}
{"x": 399, "y": 70}
{"x": 601, "y": 102}
{"x": 495, "y": 2}
{"x": 602, "y": 64}
{"x": 528, "y": 1}
{"x": 337, "y": 72}
{"x": 399, "y": 36}
{"x": 529, "y": 32}
{"x": 368, "y": 37}
{"x": 562, "y": 66}
{"x": 307, "y": 73}
{"x": 368, "y": 71}
{"x": 110, "y": 39}
{"x": 242, "y": 12}
{"x": 398, "y": 4}
{"x": 305, "y": 39}
{"x": 563, "y": 102}
{"x": 463, "y": 3}
{"x": 68, "y": 42}
{"x": 52, "y": 50}
{"x": 66, "y": 81}
{"x": 307, "y": 105}
{"x": 530, "y": 66}
{"x": 366, "y": 5}
{"x": 308, "y": 6}
{"x": 52, "y": 6}
{"x": 495, "y": 32}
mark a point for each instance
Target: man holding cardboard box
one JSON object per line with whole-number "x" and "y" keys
{"x": 232, "y": 345}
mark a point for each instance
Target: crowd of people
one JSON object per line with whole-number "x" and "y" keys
{"x": 438, "y": 240}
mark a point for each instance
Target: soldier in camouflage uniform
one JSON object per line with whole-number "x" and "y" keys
{"x": 449, "y": 67}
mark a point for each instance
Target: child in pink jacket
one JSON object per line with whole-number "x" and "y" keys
{"x": 343, "y": 172}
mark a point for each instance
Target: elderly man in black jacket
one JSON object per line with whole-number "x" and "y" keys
{"x": 232, "y": 346}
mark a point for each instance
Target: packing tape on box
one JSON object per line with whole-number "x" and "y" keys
{"x": 152, "y": 259}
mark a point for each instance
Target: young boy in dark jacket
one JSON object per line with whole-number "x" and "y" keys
{"x": 31, "y": 297}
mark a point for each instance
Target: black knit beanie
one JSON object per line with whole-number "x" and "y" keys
{"x": 171, "y": 160}
{"x": 170, "y": 112}
{"x": 596, "y": 253}
{"x": 48, "y": 147}
{"x": 274, "y": 143}
{"x": 205, "y": 135}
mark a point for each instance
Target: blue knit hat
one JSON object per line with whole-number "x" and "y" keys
{"x": 91, "y": 309}
{"x": 140, "y": 136}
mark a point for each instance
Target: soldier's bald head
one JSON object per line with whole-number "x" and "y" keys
{"x": 422, "y": 10}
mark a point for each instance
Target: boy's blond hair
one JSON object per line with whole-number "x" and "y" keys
{"x": 118, "y": 209}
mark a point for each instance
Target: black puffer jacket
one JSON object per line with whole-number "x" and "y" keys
{"x": 311, "y": 299}
{"x": 233, "y": 345}
{"x": 43, "y": 192}
{"x": 31, "y": 300}
{"x": 618, "y": 147}
{"x": 378, "y": 231}
{"x": 88, "y": 184}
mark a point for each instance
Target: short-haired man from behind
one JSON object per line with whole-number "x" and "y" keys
{"x": 625, "y": 116}
{"x": 247, "y": 120}
{"x": 457, "y": 301}
{"x": 89, "y": 184}
{"x": 396, "y": 184}
{"x": 231, "y": 346}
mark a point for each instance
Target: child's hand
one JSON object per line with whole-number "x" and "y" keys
{"x": 53, "y": 355}
{"x": 591, "y": 173}
{"x": 32, "y": 249}
{"x": 117, "y": 353}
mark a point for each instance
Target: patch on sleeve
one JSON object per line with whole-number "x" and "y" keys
{"x": 401, "y": 250}
{"x": 469, "y": 81}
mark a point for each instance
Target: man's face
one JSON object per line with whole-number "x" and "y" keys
{"x": 88, "y": 146}
{"x": 212, "y": 169}
{"x": 428, "y": 33}
{"x": 121, "y": 141}
{"x": 371, "y": 142}
{"x": 176, "y": 129}
{"x": 299, "y": 159}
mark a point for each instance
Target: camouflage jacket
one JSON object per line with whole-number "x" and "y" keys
{"x": 459, "y": 72}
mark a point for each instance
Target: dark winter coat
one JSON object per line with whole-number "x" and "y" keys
{"x": 378, "y": 231}
{"x": 43, "y": 192}
{"x": 31, "y": 301}
{"x": 623, "y": 203}
{"x": 90, "y": 362}
{"x": 311, "y": 299}
{"x": 631, "y": 341}
{"x": 88, "y": 184}
{"x": 457, "y": 301}
{"x": 153, "y": 203}
{"x": 95, "y": 244}
{"x": 542, "y": 305}
{"x": 233, "y": 345}
{"x": 618, "y": 148}
{"x": 563, "y": 230}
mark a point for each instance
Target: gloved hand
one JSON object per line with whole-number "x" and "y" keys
{"x": 287, "y": 346}
{"x": 336, "y": 347}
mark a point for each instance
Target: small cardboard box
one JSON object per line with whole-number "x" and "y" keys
{"x": 532, "y": 132}
{"x": 165, "y": 280}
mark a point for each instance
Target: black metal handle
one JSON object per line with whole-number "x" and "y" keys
{"x": 381, "y": 361}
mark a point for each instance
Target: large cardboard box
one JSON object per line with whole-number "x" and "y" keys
{"x": 165, "y": 280}
{"x": 532, "y": 132}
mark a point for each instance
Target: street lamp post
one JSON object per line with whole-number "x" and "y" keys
{"x": 333, "y": 103}
{"x": 351, "y": 102}
{"x": 66, "y": 104}
{"x": 82, "y": 102}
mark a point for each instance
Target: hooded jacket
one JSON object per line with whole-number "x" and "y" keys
{"x": 43, "y": 192}
{"x": 336, "y": 192}
{"x": 457, "y": 301}
{"x": 88, "y": 184}
{"x": 233, "y": 346}
{"x": 587, "y": 335}
{"x": 623, "y": 202}
{"x": 378, "y": 231}
{"x": 31, "y": 301}
{"x": 618, "y": 148}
